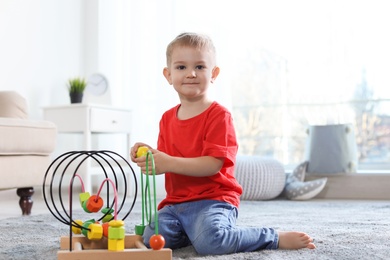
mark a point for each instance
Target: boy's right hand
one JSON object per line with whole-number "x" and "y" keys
{"x": 134, "y": 149}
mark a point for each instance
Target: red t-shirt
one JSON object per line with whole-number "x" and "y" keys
{"x": 209, "y": 134}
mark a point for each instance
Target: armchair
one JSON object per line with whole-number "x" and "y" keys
{"x": 25, "y": 148}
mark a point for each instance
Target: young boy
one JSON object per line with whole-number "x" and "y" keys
{"x": 196, "y": 150}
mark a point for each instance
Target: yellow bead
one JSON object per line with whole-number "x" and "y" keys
{"x": 76, "y": 229}
{"x": 116, "y": 223}
{"x": 95, "y": 232}
{"x": 116, "y": 244}
{"x": 142, "y": 151}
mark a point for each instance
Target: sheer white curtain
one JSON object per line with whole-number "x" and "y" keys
{"x": 270, "y": 52}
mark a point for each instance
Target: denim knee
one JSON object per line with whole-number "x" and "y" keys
{"x": 172, "y": 232}
{"x": 215, "y": 241}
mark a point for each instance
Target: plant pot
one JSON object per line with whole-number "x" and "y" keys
{"x": 76, "y": 97}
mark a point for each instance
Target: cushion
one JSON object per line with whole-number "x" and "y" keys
{"x": 260, "y": 178}
{"x": 297, "y": 189}
{"x": 12, "y": 105}
{"x": 26, "y": 137}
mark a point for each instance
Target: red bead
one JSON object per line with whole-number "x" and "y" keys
{"x": 157, "y": 242}
{"x": 94, "y": 203}
{"x": 105, "y": 229}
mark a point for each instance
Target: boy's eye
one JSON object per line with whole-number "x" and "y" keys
{"x": 181, "y": 67}
{"x": 199, "y": 67}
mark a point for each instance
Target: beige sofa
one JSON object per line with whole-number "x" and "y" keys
{"x": 25, "y": 148}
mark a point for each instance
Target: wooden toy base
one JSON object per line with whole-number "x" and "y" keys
{"x": 83, "y": 248}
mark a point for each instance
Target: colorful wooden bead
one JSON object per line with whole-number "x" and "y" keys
{"x": 105, "y": 229}
{"x": 84, "y": 197}
{"x": 109, "y": 216}
{"x": 116, "y": 244}
{"x": 95, "y": 231}
{"x": 94, "y": 203}
{"x": 107, "y": 210}
{"x": 116, "y": 235}
{"x": 86, "y": 226}
{"x": 85, "y": 207}
{"x": 76, "y": 226}
{"x": 142, "y": 151}
{"x": 117, "y": 223}
{"x": 116, "y": 229}
{"x": 139, "y": 229}
{"x": 157, "y": 242}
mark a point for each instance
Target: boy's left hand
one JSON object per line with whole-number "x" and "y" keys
{"x": 157, "y": 156}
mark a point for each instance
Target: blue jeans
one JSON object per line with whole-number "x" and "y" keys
{"x": 210, "y": 226}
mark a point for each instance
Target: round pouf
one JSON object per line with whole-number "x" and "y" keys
{"x": 260, "y": 178}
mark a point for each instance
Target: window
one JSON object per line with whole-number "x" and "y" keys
{"x": 284, "y": 65}
{"x": 326, "y": 66}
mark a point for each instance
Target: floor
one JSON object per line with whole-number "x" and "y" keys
{"x": 9, "y": 201}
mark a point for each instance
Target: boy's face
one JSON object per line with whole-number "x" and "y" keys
{"x": 191, "y": 71}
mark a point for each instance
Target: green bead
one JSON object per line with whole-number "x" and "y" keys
{"x": 107, "y": 210}
{"x": 107, "y": 218}
{"x": 85, "y": 207}
{"x": 116, "y": 232}
{"x": 86, "y": 225}
{"x": 139, "y": 229}
{"x": 83, "y": 197}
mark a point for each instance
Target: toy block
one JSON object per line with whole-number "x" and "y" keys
{"x": 107, "y": 217}
{"x": 116, "y": 232}
{"x": 86, "y": 224}
{"x": 76, "y": 229}
{"x": 142, "y": 151}
{"x": 85, "y": 207}
{"x": 94, "y": 203}
{"x": 95, "y": 232}
{"x": 139, "y": 229}
{"x": 107, "y": 210}
{"x": 105, "y": 229}
{"x": 116, "y": 223}
{"x": 84, "y": 197}
{"x": 116, "y": 244}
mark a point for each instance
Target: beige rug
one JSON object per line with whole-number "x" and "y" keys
{"x": 342, "y": 230}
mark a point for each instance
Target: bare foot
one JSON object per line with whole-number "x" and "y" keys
{"x": 295, "y": 240}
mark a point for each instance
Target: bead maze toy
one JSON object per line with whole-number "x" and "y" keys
{"x": 103, "y": 235}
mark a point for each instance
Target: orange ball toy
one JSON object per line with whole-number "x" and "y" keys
{"x": 157, "y": 242}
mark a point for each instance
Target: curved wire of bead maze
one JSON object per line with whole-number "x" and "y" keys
{"x": 105, "y": 159}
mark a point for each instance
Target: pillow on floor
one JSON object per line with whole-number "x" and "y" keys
{"x": 260, "y": 178}
{"x": 297, "y": 189}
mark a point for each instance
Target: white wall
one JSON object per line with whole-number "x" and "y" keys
{"x": 41, "y": 46}
{"x": 44, "y": 42}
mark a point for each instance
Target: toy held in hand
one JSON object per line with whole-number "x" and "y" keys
{"x": 142, "y": 151}
{"x": 156, "y": 241}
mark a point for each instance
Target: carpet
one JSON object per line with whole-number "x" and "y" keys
{"x": 341, "y": 229}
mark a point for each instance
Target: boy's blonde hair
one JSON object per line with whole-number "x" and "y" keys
{"x": 195, "y": 40}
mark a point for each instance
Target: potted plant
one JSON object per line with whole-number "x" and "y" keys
{"x": 76, "y": 87}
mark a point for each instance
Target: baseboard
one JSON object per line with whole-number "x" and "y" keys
{"x": 355, "y": 186}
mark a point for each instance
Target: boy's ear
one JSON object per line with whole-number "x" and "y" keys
{"x": 214, "y": 74}
{"x": 167, "y": 75}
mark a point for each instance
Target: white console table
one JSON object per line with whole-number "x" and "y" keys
{"x": 89, "y": 119}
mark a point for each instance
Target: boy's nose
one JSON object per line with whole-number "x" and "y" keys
{"x": 191, "y": 74}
